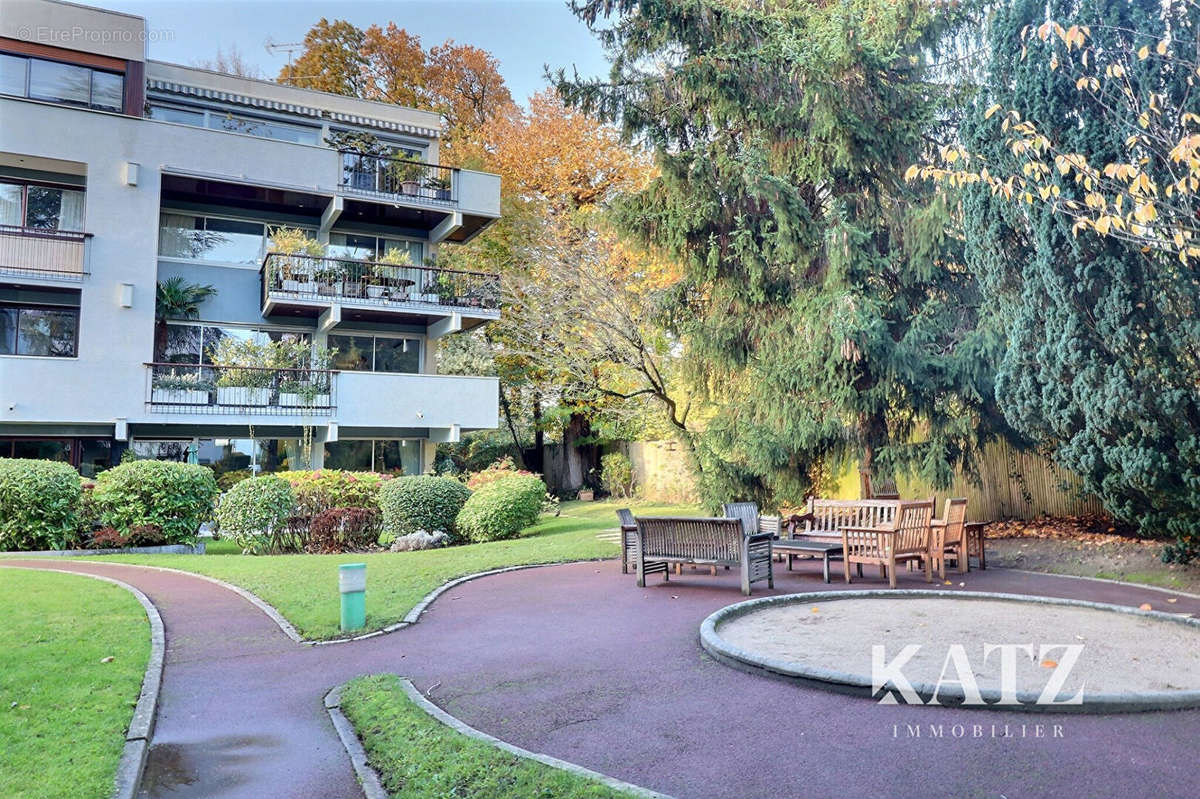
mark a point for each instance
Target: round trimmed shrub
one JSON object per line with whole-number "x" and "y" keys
{"x": 39, "y": 504}
{"x": 501, "y": 509}
{"x": 175, "y": 497}
{"x": 254, "y": 513}
{"x": 421, "y": 502}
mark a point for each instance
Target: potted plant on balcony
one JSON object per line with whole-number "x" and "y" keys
{"x": 388, "y": 273}
{"x": 293, "y": 257}
{"x": 408, "y": 173}
{"x": 329, "y": 279}
{"x": 307, "y": 385}
{"x": 245, "y": 371}
{"x": 441, "y": 187}
{"x": 173, "y": 388}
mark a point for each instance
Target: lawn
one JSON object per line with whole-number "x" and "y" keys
{"x": 304, "y": 587}
{"x": 418, "y": 757}
{"x": 64, "y": 712}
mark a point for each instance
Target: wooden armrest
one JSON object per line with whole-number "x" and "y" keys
{"x": 937, "y": 523}
{"x": 865, "y": 530}
{"x": 755, "y": 537}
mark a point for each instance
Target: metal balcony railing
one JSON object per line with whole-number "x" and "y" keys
{"x": 399, "y": 177}
{"x": 37, "y": 252}
{"x": 195, "y": 388}
{"x": 376, "y": 283}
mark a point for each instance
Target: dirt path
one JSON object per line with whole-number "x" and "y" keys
{"x": 1132, "y": 561}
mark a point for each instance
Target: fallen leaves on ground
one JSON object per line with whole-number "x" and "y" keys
{"x": 1089, "y": 529}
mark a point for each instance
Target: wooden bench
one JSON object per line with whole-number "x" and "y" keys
{"x": 908, "y": 537}
{"x": 823, "y": 519}
{"x": 662, "y": 541}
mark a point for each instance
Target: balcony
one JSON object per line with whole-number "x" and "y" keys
{"x": 376, "y": 291}
{"x": 453, "y": 204}
{"x": 43, "y": 254}
{"x": 239, "y": 390}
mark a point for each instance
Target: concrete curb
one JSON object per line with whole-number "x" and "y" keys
{"x": 161, "y": 549}
{"x": 465, "y": 729}
{"x": 141, "y": 724}
{"x": 859, "y": 684}
{"x": 253, "y": 599}
{"x": 367, "y": 776}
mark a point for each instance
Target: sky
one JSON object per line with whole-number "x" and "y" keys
{"x": 525, "y": 35}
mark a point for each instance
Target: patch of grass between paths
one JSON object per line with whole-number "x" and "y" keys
{"x": 304, "y": 587}
{"x": 63, "y": 712}
{"x": 418, "y": 757}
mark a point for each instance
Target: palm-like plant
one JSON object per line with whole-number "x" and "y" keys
{"x": 175, "y": 298}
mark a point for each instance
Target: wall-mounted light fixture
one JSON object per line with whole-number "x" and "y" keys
{"x": 131, "y": 173}
{"x": 125, "y": 294}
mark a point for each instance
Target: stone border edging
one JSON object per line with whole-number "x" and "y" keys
{"x": 368, "y": 778}
{"x": 159, "y": 549}
{"x": 141, "y": 724}
{"x": 463, "y": 728}
{"x": 858, "y": 684}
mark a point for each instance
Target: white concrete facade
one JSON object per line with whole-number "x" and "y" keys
{"x": 132, "y": 169}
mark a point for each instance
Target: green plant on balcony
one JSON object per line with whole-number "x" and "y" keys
{"x": 307, "y": 381}
{"x": 388, "y": 271}
{"x": 175, "y": 298}
{"x": 294, "y": 257}
{"x": 246, "y": 370}
{"x": 189, "y": 381}
{"x": 406, "y": 172}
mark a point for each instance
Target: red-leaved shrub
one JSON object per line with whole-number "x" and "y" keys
{"x": 343, "y": 530}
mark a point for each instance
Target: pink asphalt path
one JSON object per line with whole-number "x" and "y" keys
{"x": 577, "y": 662}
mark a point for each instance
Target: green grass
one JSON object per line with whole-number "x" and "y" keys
{"x": 418, "y": 757}
{"x": 304, "y": 587}
{"x": 1161, "y": 580}
{"x": 64, "y": 713}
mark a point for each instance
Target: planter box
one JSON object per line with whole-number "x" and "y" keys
{"x": 375, "y": 292}
{"x": 178, "y": 396}
{"x": 410, "y": 186}
{"x": 298, "y": 401}
{"x": 294, "y": 285}
{"x": 587, "y": 496}
{"x": 241, "y": 396}
{"x": 327, "y": 289}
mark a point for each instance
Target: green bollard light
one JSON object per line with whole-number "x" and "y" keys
{"x": 352, "y": 582}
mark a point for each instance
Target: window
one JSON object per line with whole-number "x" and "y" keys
{"x": 188, "y": 344}
{"x": 43, "y": 207}
{"x": 38, "y": 330}
{"x": 89, "y": 455}
{"x": 180, "y": 115}
{"x": 57, "y": 82}
{"x": 236, "y": 123}
{"x": 13, "y": 74}
{"x": 376, "y": 354}
{"x": 401, "y": 456}
{"x": 368, "y": 248}
{"x": 199, "y": 238}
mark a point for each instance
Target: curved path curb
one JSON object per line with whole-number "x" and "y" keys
{"x": 141, "y": 724}
{"x": 463, "y": 728}
{"x": 861, "y": 684}
{"x": 1160, "y": 588}
{"x": 368, "y": 777}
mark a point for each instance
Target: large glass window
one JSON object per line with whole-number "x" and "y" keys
{"x": 261, "y": 127}
{"x": 61, "y": 83}
{"x": 188, "y": 344}
{"x": 44, "y": 207}
{"x": 364, "y": 247}
{"x": 227, "y": 454}
{"x": 13, "y": 74}
{"x": 180, "y": 115}
{"x": 90, "y": 455}
{"x": 35, "y": 330}
{"x": 211, "y": 239}
{"x": 398, "y": 456}
{"x": 376, "y": 354}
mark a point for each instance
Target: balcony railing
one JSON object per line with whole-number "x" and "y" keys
{"x": 399, "y": 177}
{"x": 321, "y": 278}
{"x": 37, "y": 252}
{"x": 188, "y": 388}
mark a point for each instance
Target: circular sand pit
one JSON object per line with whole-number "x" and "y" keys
{"x": 1045, "y": 654}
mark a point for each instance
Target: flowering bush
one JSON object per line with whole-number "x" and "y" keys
{"x": 497, "y": 471}
{"x": 320, "y": 490}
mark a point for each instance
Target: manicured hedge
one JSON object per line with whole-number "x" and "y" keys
{"x": 501, "y": 509}
{"x": 255, "y": 512}
{"x": 39, "y": 504}
{"x": 421, "y": 502}
{"x": 175, "y": 497}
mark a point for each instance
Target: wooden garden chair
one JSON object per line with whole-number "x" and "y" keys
{"x": 628, "y": 539}
{"x": 908, "y": 537}
{"x": 950, "y": 537}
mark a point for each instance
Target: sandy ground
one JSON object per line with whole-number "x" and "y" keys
{"x": 1121, "y": 653}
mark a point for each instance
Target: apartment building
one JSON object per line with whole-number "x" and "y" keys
{"x": 315, "y": 218}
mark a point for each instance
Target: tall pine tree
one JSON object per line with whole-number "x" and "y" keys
{"x": 825, "y": 310}
{"x": 1102, "y": 362}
